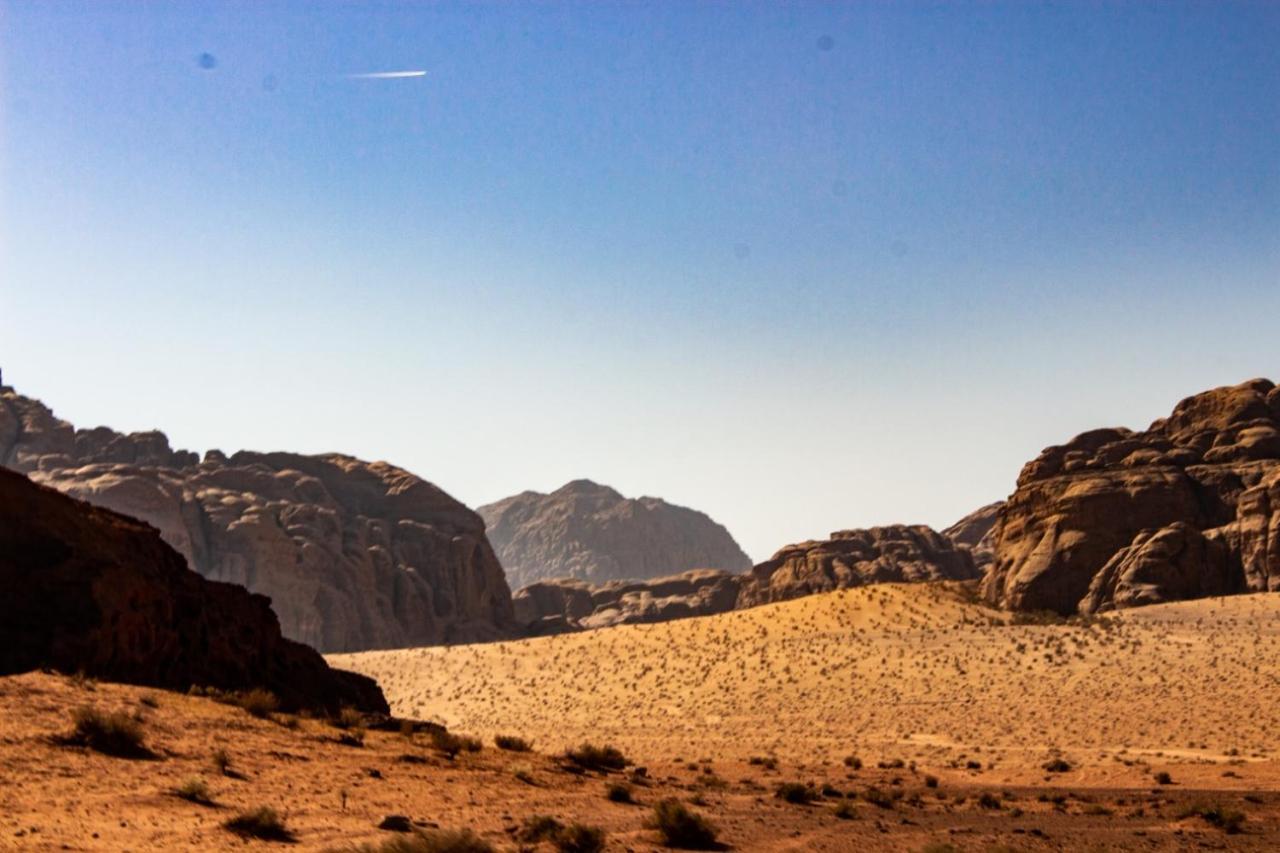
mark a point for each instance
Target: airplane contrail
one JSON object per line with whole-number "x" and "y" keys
{"x": 386, "y": 75}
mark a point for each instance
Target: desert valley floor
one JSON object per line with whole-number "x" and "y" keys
{"x": 953, "y": 712}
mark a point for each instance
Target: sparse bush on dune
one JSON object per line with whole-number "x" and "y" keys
{"x": 263, "y": 822}
{"x": 796, "y": 792}
{"x": 260, "y": 703}
{"x": 511, "y": 743}
{"x": 349, "y": 718}
{"x": 539, "y": 827}
{"x": 682, "y": 828}
{"x": 114, "y": 733}
{"x": 1057, "y": 765}
{"x": 579, "y": 838}
{"x": 618, "y": 792}
{"x": 591, "y": 757}
{"x": 430, "y": 841}
{"x": 194, "y": 790}
{"x": 1226, "y": 819}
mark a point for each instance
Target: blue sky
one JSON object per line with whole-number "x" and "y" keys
{"x": 801, "y": 266}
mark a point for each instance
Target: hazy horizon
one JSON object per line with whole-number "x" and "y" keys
{"x": 802, "y": 268}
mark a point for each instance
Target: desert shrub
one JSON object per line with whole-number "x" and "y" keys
{"x": 352, "y": 737}
{"x": 348, "y": 718}
{"x": 432, "y": 841}
{"x": 1096, "y": 810}
{"x": 931, "y": 781}
{"x": 222, "y": 761}
{"x": 829, "y": 790}
{"x": 539, "y": 827}
{"x": 1163, "y": 778}
{"x": 525, "y": 775}
{"x": 470, "y": 744}
{"x": 892, "y": 764}
{"x": 853, "y": 762}
{"x": 592, "y": 757}
{"x": 877, "y": 797}
{"x": 989, "y": 800}
{"x": 579, "y": 838}
{"x": 1224, "y": 818}
{"x": 511, "y": 743}
{"x": 258, "y": 702}
{"x": 680, "y": 827}
{"x": 1057, "y": 765}
{"x": 194, "y": 790}
{"x": 262, "y": 822}
{"x": 618, "y": 792}
{"x": 845, "y": 810}
{"x": 796, "y": 792}
{"x": 763, "y": 761}
{"x": 115, "y": 733}
{"x": 446, "y": 742}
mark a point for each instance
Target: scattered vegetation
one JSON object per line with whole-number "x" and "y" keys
{"x": 618, "y": 792}
{"x": 262, "y": 822}
{"x": 258, "y": 702}
{"x": 511, "y": 743}
{"x": 1057, "y": 765}
{"x": 114, "y": 733}
{"x": 682, "y": 828}
{"x": 845, "y": 810}
{"x": 591, "y": 757}
{"x": 194, "y": 790}
{"x": 853, "y": 762}
{"x": 1163, "y": 778}
{"x": 579, "y": 838}
{"x": 1226, "y": 819}
{"x": 539, "y": 827}
{"x": 432, "y": 841}
{"x": 796, "y": 792}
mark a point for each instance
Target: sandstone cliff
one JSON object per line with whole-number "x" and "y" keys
{"x": 849, "y": 558}
{"x": 89, "y": 590}
{"x": 1115, "y": 518}
{"x": 591, "y": 533}
{"x": 976, "y": 533}
{"x": 353, "y": 555}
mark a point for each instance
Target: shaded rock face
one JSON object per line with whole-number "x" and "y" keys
{"x": 850, "y": 558}
{"x": 976, "y": 533}
{"x": 893, "y": 554}
{"x": 354, "y": 555}
{"x": 87, "y": 589}
{"x": 591, "y": 533}
{"x": 1117, "y": 518}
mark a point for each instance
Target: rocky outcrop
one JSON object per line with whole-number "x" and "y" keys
{"x": 975, "y": 533}
{"x": 89, "y": 590}
{"x": 354, "y": 555}
{"x": 849, "y": 558}
{"x": 591, "y": 533}
{"x": 894, "y": 554}
{"x": 1116, "y": 518}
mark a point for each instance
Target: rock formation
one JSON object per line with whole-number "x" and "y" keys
{"x": 89, "y": 590}
{"x": 849, "y": 558}
{"x": 1116, "y": 518}
{"x": 975, "y": 533}
{"x": 591, "y": 533}
{"x": 354, "y": 555}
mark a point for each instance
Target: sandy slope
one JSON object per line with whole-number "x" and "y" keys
{"x": 893, "y": 671}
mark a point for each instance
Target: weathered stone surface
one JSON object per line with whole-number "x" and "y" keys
{"x": 89, "y": 590}
{"x": 591, "y": 533}
{"x": 849, "y": 558}
{"x": 1109, "y": 519}
{"x": 354, "y": 555}
{"x": 975, "y": 532}
{"x": 896, "y": 553}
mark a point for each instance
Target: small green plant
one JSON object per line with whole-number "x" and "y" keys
{"x": 262, "y": 822}
{"x": 796, "y": 792}
{"x": 618, "y": 792}
{"x": 194, "y": 790}
{"x": 590, "y": 757}
{"x": 511, "y": 743}
{"x": 682, "y": 828}
{"x": 115, "y": 734}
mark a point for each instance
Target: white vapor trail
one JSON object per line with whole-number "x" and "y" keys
{"x": 386, "y": 75}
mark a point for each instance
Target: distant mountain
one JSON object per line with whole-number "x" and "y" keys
{"x": 353, "y": 555}
{"x": 1187, "y": 508}
{"x": 91, "y": 591}
{"x": 589, "y": 532}
{"x": 849, "y": 558}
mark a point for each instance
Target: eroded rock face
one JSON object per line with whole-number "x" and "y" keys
{"x": 591, "y": 533}
{"x": 975, "y": 532}
{"x": 1117, "y": 518}
{"x": 850, "y": 558}
{"x": 894, "y": 554}
{"x": 89, "y": 590}
{"x": 354, "y": 555}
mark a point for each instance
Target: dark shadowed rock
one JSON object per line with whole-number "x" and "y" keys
{"x": 89, "y": 590}
{"x": 974, "y": 533}
{"x": 591, "y": 533}
{"x": 1116, "y": 518}
{"x": 354, "y": 555}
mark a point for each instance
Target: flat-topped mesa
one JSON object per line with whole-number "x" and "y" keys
{"x": 354, "y": 555}
{"x": 590, "y": 532}
{"x": 1116, "y": 518}
{"x": 89, "y": 590}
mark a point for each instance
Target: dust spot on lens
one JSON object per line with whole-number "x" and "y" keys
{"x": 826, "y": 43}
{"x": 207, "y": 61}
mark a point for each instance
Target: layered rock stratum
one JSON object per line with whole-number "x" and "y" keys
{"x": 976, "y": 533}
{"x": 91, "y": 591}
{"x": 589, "y": 532}
{"x": 353, "y": 554}
{"x": 849, "y": 558}
{"x": 1114, "y": 518}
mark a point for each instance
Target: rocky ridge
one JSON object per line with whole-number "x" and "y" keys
{"x": 89, "y": 590}
{"x": 589, "y": 532}
{"x": 353, "y": 555}
{"x": 1114, "y": 518}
